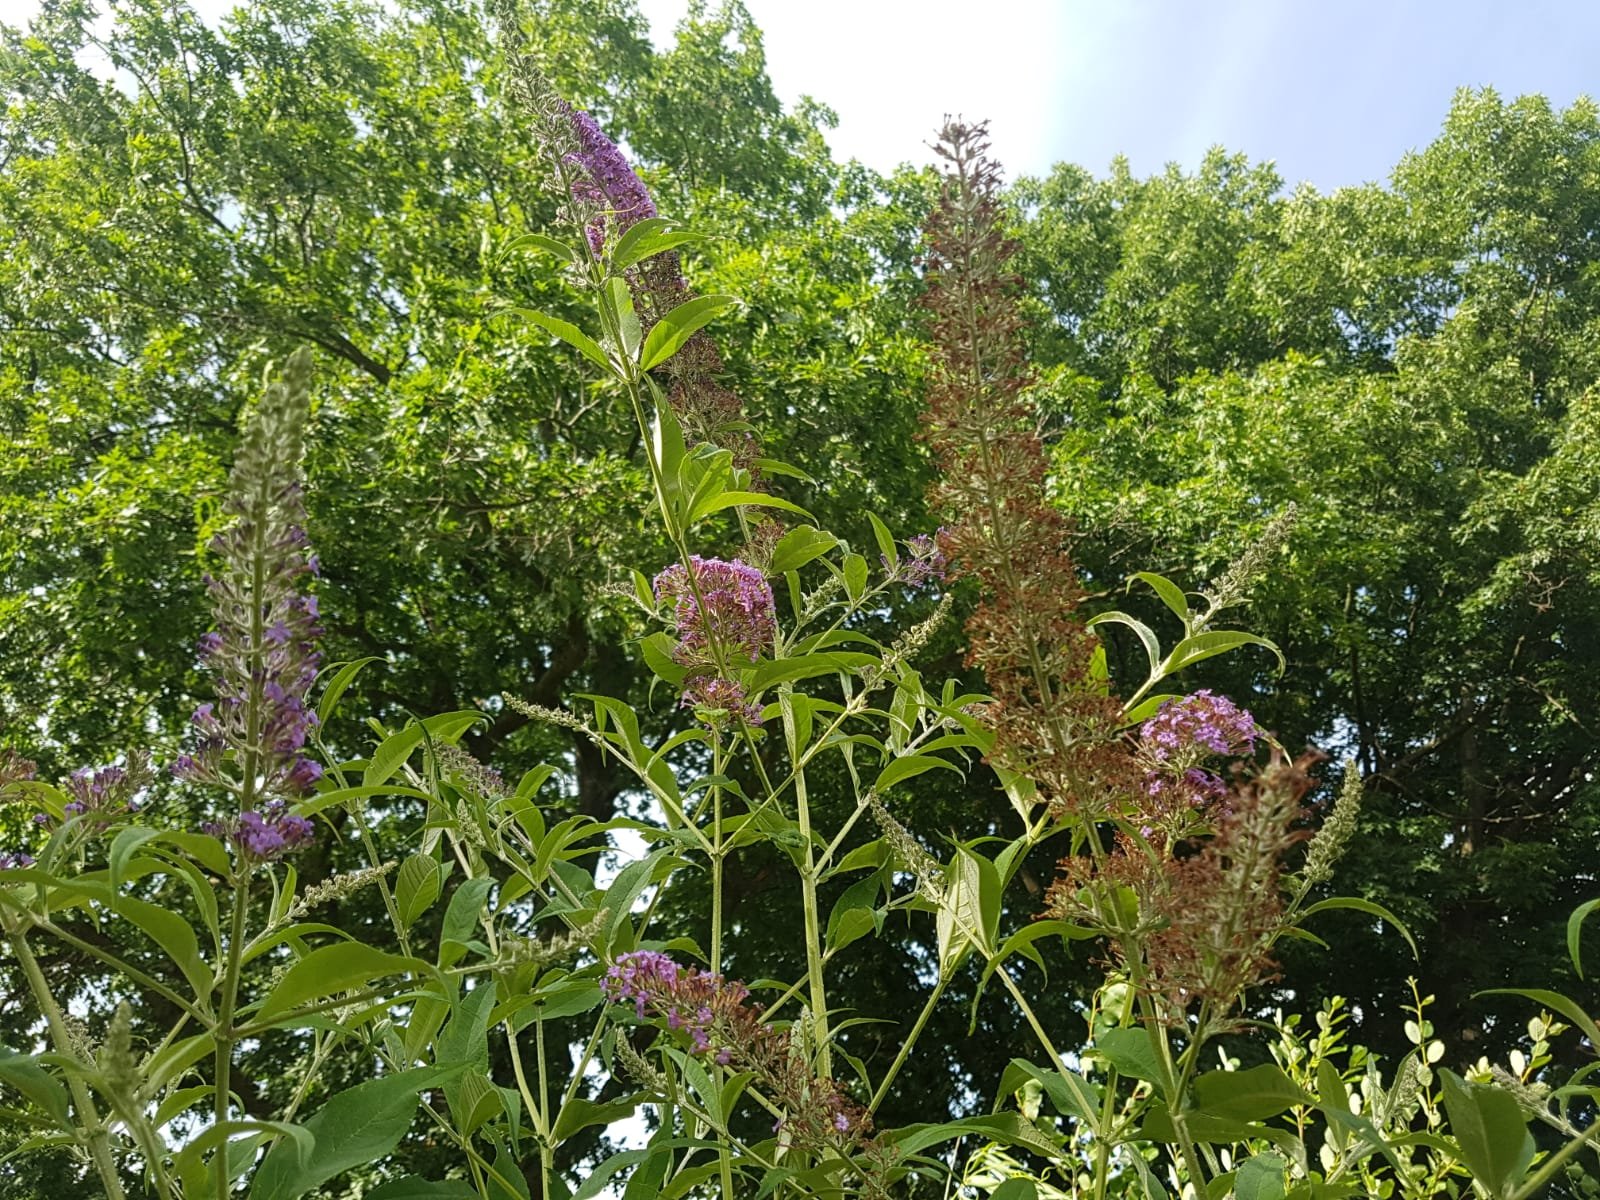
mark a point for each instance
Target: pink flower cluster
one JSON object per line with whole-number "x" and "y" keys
{"x": 265, "y": 835}
{"x": 1182, "y": 735}
{"x": 724, "y": 616}
{"x": 688, "y": 998}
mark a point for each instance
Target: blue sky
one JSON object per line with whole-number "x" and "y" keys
{"x": 1334, "y": 92}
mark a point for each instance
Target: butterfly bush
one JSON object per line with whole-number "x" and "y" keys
{"x": 724, "y": 616}
{"x": 1186, "y": 732}
{"x": 712, "y": 1012}
{"x": 263, "y": 650}
{"x": 1185, "y": 876}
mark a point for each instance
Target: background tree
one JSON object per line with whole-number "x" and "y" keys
{"x": 1411, "y": 364}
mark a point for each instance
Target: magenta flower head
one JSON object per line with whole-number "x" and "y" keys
{"x": 718, "y": 607}
{"x": 606, "y": 192}
{"x": 263, "y": 650}
{"x": 263, "y": 836}
{"x": 1203, "y": 722}
{"x": 1175, "y": 742}
{"x": 724, "y": 616}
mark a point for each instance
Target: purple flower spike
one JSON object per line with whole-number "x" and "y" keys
{"x": 263, "y": 836}
{"x": 1204, "y": 722}
{"x": 263, "y": 651}
{"x": 610, "y": 195}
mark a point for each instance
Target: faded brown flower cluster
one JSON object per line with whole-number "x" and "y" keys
{"x": 1051, "y": 719}
{"x": 1209, "y": 908}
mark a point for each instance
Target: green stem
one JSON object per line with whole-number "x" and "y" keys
{"x": 116, "y": 964}
{"x": 547, "y": 1148}
{"x": 910, "y": 1040}
{"x": 813, "y": 931}
{"x": 718, "y": 765}
{"x": 224, "y": 1032}
{"x": 1547, "y": 1169}
{"x": 98, "y": 1136}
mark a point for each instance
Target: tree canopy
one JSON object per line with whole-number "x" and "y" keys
{"x": 1413, "y": 365}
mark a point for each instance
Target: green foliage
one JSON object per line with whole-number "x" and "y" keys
{"x": 1411, "y": 367}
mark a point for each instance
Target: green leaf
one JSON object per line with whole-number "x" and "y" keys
{"x": 174, "y": 935}
{"x": 855, "y": 576}
{"x": 540, "y": 241}
{"x": 1006, "y": 1128}
{"x": 339, "y": 684}
{"x": 328, "y": 970}
{"x": 1218, "y": 641}
{"x": 1370, "y": 907}
{"x": 1574, "y": 928}
{"x": 1021, "y": 942}
{"x": 391, "y": 755}
{"x": 648, "y": 238}
{"x": 1130, "y": 1051}
{"x": 579, "y": 1113}
{"x": 668, "y": 334}
{"x": 798, "y": 547}
{"x": 657, "y": 651}
{"x": 414, "y": 1187}
{"x": 395, "y": 749}
{"x": 885, "y": 540}
{"x": 1152, "y": 645}
{"x": 618, "y": 299}
{"x": 416, "y": 887}
{"x": 725, "y": 500}
{"x": 1260, "y": 1178}
{"x": 1252, "y": 1095}
{"x": 969, "y": 911}
{"x": 909, "y": 766}
{"x": 646, "y": 1182}
{"x": 122, "y": 847}
{"x": 1491, "y": 1130}
{"x": 359, "y": 1126}
{"x": 1146, "y": 708}
{"x": 1016, "y": 1189}
{"x": 23, "y": 1072}
{"x": 1070, "y": 1093}
{"x": 566, "y": 331}
{"x": 461, "y": 917}
{"x": 568, "y": 997}
{"x": 805, "y": 666}
{"x": 1171, "y": 594}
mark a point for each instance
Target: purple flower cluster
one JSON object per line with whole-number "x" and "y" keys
{"x": 106, "y": 792}
{"x": 718, "y": 606}
{"x": 607, "y": 193}
{"x": 266, "y": 835}
{"x": 726, "y": 695}
{"x": 1182, "y": 735}
{"x": 263, "y": 649}
{"x": 713, "y": 1013}
{"x": 724, "y": 616}
{"x": 1201, "y": 722}
{"x": 688, "y": 998}
{"x": 925, "y": 561}
{"x": 10, "y": 859}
